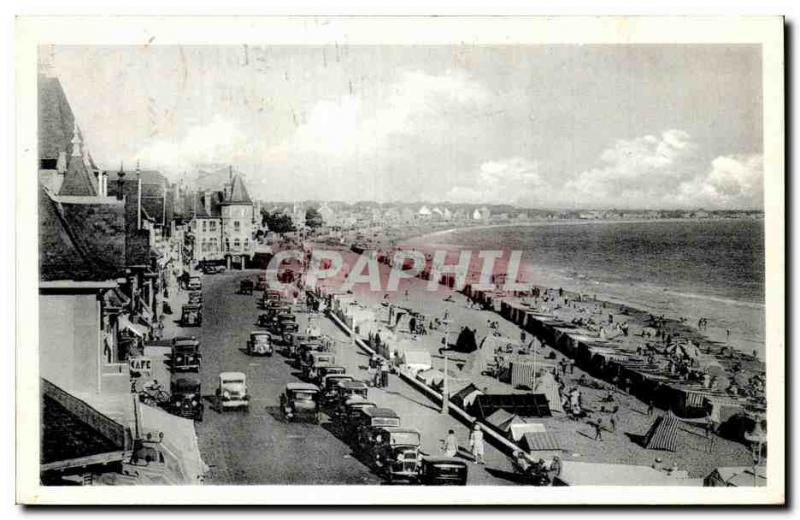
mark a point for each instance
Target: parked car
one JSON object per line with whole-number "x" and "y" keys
{"x": 185, "y": 356}
{"x": 213, "y": 269}
{"x": 443, "y": 471}
{"x": 300, "y": 401}
{"x": 191, "y": 315}
{"x": 302, "y": 354}
{"x": 346, "y": 419}
{"x": 186, "y": 400}
{"x": 349, "y": 389}
{"x": 195, "y": 283}
{"x": 325, "y": 371}
{"x": 246, "y": 286}
{"x": 395, "y": 452}
{"x": 232, "y": 391}
{"x": 262, "y": 282}
{"x": 369, "y": 420}
{"x": 260, "y": 343}
{"x": 196, "y": 298}
{"x": 314, "y": 363}
{"x": 271, "y": 295}
{"x": 330, "y": 390}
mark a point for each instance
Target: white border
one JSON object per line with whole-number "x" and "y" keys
{"x": 401, "y": 31}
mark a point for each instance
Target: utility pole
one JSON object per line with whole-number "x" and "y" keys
{"x": 445, "y": 396}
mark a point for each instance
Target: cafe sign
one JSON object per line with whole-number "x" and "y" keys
{"x": 142, "y": 365}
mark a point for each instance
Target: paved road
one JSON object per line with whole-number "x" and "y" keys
{"x": 257, "y": 447}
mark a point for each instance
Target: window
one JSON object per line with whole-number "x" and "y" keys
{"x": 204, "y": 245}
{"x": 236, "y": 226}
{"x": 236, "y": 244}
{"x": 246, "y": 244}
{"x": 204, "y": 226}
{"x": 213, "y": 245}
{"x": 212, "y": 226}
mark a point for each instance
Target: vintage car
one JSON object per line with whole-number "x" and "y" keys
{"x": 185, "y": 398}
{"x": 286, "y": 326}
{"x": 395, "y": 452}
{"x": 437, "y": 471}
{"x": 185, "y": 356}
{"x": 300, "y": 401}
{"x": 295, "y": 344}
{"x": 246, "y": 286}
{"x": 271, "y": 295}
{"x": 213, "y": 269}
{"x": 196, "y": 298}
{"x": 325, "y": 371}
{"x": 347, "y": 390}
{"x": 262, "y": 282}
{"x": 278, "y": 322}
{"x": 191, "y": 316}
{"x": 346, "y": 419}
{"x": 314, "y": 362}
{"x": 195, "y": 283}
{"x": 330, "y": 390}
{"x": 232, "y": 391}
{"x": 302, "y": 354}
{"x": 371, "y": 418}
{"x": 260, "y": 343}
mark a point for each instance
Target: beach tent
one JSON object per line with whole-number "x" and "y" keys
{"x": 518, "y": 428}
{"x": 466, "y": 395}
{"x": 663, "y": 434}
{"x": 538, "y": 441}
{"x": 546, "y": 385}
{"x": 466, "y": 341}
{"x": 500, "y": 419}
{"x": 524, "y": 405}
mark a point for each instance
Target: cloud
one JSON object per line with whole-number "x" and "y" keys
{"x": 666, "y": 172}
{"x": 515, "y": 180}
{"x": 219, "y": 140}
{"x": 733, "y": 181}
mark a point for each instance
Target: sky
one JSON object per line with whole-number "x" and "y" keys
{"x": 539, "y": 126}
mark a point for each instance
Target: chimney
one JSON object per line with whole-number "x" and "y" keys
{"x": 207, "y": 201}
{"x": 121, "y": 182}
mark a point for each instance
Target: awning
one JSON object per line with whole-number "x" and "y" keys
{"x": 182, "y": 453}
{"x": 125, "y": 323}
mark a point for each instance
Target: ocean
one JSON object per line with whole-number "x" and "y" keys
{"x": 679, "y": 268}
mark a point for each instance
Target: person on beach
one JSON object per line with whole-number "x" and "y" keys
{"x": 650, "y": 407}
{"x": 598, "y": 430}
{"x": 451, "y": 444}
{"x": 476, "y": 443}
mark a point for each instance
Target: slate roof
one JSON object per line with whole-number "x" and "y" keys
{"x": 238, "y": 193}
{"x": 56, "y": 121}
{"x": 80, "y": 241}
{"x": 78, "y": 180}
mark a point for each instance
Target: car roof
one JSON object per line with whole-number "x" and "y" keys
{"x": 381, "y": 412}
{"x": 184, "y": 338}
{"x": 353, "y": 384}
{"x": 259, "y": 333}
{"x": 399, "y": 429}
{"x": 191, "y": 306}
{"x": 302, "y": 386}
{"x": 359, "y": 401}
{"x": 186, "y": 382}
{"x": 231, "y": 375}
{"x": 442, "y": 459}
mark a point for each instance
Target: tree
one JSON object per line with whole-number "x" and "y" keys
{"x": 313, "y": 218}
{"x": 277, "y": 221}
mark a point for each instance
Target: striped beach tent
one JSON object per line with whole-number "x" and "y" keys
{"x": 663, "y": 434}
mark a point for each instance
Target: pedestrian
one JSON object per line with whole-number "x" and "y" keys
{"x": 571, "y": 366}
{"x": 384, "y": 374}
{"x": 650, "y": 407}
{"x": 598, "y": 430}
{"x": 451, "y": 444}
{"x": 613, "y": 421}
{"x": 476, "y": 443}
